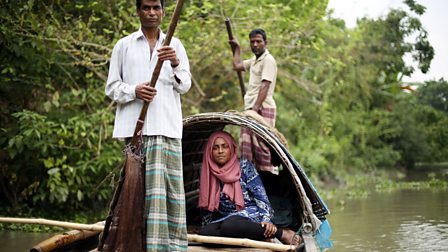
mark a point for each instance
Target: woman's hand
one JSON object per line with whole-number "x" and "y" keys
{"x": 269, "y": 229}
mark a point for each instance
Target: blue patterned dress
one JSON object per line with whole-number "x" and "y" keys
{"x": 256, "y": 203}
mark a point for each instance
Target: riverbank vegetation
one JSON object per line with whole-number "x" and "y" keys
{"x": 361, "y": 186}
{"x": 341, "y": 100}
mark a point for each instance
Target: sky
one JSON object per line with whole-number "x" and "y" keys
{"x": 433, "y": 20}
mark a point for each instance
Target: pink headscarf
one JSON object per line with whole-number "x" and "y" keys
{"x": 212, "y": 175}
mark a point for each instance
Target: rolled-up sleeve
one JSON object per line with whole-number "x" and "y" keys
{"x": 182, "y": 71}
{"x": 269, "y": 72}
{"x": 246, "y": 64}
{"x": 116, "y": 89}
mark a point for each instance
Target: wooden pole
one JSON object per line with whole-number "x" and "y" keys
{"x": 240, "y": 242}
{"x": 69, "y": 225}
{"x": 240, "y": 75}
{"x": 98, "y": 227}
{"x": 64, "y": 239}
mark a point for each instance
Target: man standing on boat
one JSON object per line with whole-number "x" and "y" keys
{"x": 133, "y": 60}
{"x": 259, "y": 95}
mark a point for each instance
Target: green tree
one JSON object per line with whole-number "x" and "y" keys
{"x": 56, "y": 124}
{"x": 432, "y": 98}
{"x": 434, "y": 94}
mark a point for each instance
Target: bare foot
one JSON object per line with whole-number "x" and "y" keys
{"x": 290, "y": 237}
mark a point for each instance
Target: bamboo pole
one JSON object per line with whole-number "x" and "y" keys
{"x": 240, "y": 242}
{"x": 64, "y": 239}
{"x": 64, "y": 224}
{"x": 98, "y": 227}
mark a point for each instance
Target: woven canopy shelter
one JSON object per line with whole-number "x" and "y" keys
{"x": 296, "y": 203}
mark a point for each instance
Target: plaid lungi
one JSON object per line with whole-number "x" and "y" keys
{"x": 166, "y": 228}
{"x": 254, "y": 148}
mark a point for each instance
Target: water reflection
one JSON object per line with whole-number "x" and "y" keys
{"x": 416, "y": 235}
{"x": 403, "y": 220}
{"x": 20, "y": 241}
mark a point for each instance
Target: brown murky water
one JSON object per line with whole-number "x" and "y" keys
{"x": 20, "y": 241}
{"x": 403, "y": 220}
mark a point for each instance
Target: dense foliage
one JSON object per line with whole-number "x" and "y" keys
{"x": 341, "y": 102}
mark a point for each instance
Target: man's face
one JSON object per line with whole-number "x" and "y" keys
{"x": 257, "y": 44}
{"x": 150, "y": 13}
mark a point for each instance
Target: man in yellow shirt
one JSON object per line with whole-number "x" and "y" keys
{"x": 259, "y": 95}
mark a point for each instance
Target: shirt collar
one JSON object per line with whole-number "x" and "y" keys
{"x": 140, "y": 34}
{"x": 266, "y": 52}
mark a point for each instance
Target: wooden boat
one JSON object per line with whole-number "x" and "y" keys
{"x": 296, "y": 203}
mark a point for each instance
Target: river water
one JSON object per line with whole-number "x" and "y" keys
{"x": 20, "y": 241}
{"x": 402, "y": 220}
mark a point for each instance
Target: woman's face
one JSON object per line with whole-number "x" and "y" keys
{"x": 221, "y": 151}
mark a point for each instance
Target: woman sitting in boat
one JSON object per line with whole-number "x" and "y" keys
{"x": 232, "y": 197}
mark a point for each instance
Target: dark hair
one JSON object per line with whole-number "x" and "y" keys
{"x": 138, "y": 3}
{"x": 258, "y": 31}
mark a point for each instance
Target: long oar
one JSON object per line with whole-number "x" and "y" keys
{"x": 240, "y": 75}
{"x": 134, "y": 185}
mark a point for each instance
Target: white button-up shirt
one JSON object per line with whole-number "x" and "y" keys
{"x": 132, "y": 64}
